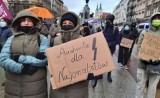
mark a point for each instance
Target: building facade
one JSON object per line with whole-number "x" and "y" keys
{"x": 136, "y": 10}
{"x": 140, "y": 10}
{"x": 131, "y": 14}
{"x": 64, "y": 9}
{"x": 120, "y": 12}
{"x": 57, "y": 7}
{"x": 54, "y": 6}
{"x": 117, "y": 13}
{"x": 152, "y": 6}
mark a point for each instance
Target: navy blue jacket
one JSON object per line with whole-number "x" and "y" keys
{"x": 112, "y": 37}
{"x": 5, "y": 33}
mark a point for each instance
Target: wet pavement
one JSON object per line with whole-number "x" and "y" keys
{"x": 123, "y": 85}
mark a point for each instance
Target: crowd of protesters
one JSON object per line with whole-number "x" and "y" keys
{"x": 24, "y": 40}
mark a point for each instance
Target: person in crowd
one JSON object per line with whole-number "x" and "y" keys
{"x": 92, "y": 31}
{"x": 23, "y": 58}
{"x": 69, "y": 30}
{"x": 134, "y": 36}
{"x": 142, "y": 75}
{"x": 112, "y": 37}
{"x": 54, "y": 30}
{"x": 99, "y": 29}
{"x": 47, "y": 22}
{"x": 43, "y": 29}
{"x": 123, "y": 55}
{"x": 86, "y": 29}
{"x": 5, "y": 31}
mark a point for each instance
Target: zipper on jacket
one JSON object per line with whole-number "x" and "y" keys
{"x": 24, "y": 44}
{"x": 21, "y": 95}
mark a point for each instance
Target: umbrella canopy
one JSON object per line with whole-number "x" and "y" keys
{"x": 41, "y": 12}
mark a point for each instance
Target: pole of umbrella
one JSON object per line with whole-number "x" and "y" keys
{"x": 51, "y": 4}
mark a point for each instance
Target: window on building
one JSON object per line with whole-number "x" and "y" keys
{"x": 148, "y": 13}
{"x": 149, "y": 2}
{"x": 155, "y": 10}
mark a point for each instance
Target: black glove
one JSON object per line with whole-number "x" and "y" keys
{"x": 25, "y": 68}
{"x": 147, "y": 62}
{"x": 93, "y": 78}
{"x": 15, "y": 57}
{"x": 32, "y": 70}
{"x": 40, "y": 56}
{"x": 99, "y": 77}
{"x": 157, "y": 62}
{"x": 28, "y": 69}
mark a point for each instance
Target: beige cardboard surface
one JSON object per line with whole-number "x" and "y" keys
{"x": 72, "y": 61}
{"x": 150, "y": 48}
{"x": 126, "y": 42}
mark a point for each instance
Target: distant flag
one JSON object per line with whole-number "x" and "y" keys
{"x": 4, "y": 12}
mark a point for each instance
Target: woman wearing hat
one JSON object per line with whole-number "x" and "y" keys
{"x": 69, "y": 30}
{"x": 5, "y": 31}
{"x": 112, "y": 37}
{"x": 23, "y": 58}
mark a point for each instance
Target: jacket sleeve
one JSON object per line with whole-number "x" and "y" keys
{"x": 116, "y": 38}
{"x": 134, "y": 34}
{"x": 26, "y": 59}
{"x": 6, "y": 62}
{"x": 9, "y": 33}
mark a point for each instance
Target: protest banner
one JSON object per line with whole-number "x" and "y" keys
{"x": 150, "y": 48}
{"x": 4, "y": 12}
{"x": 126, "y": 43}
{"x": 71, "y": 62}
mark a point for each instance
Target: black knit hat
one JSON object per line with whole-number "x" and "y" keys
{"x": 110, "y": 17}
{"x": 69, "y": 16}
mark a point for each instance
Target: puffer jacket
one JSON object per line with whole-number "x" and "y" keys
{"x": 18, "y": 85}
{"x": 80, "y": 87}
{"x": 152, "y": 30}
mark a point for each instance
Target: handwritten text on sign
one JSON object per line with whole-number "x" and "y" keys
{"x": 72, "y": 61}
{"x": 150, "y": 48}
{"x": 126, "y": 42}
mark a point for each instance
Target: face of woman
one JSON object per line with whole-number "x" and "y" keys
{"x": 2, "y": 20}
{"x": 67, "y": 22}
{"x": 67, "y": 25}
{"x": 26, "y": 22}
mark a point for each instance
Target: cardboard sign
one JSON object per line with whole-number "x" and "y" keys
{"x": 72, "y": 61}
{"x": 150, "y": 48}
{"x": 126, "y": 43}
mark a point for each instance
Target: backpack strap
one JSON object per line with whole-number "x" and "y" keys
{"x": 39, "y": 37}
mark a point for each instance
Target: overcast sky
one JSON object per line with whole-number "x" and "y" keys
{"x": 77, "y": 5}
